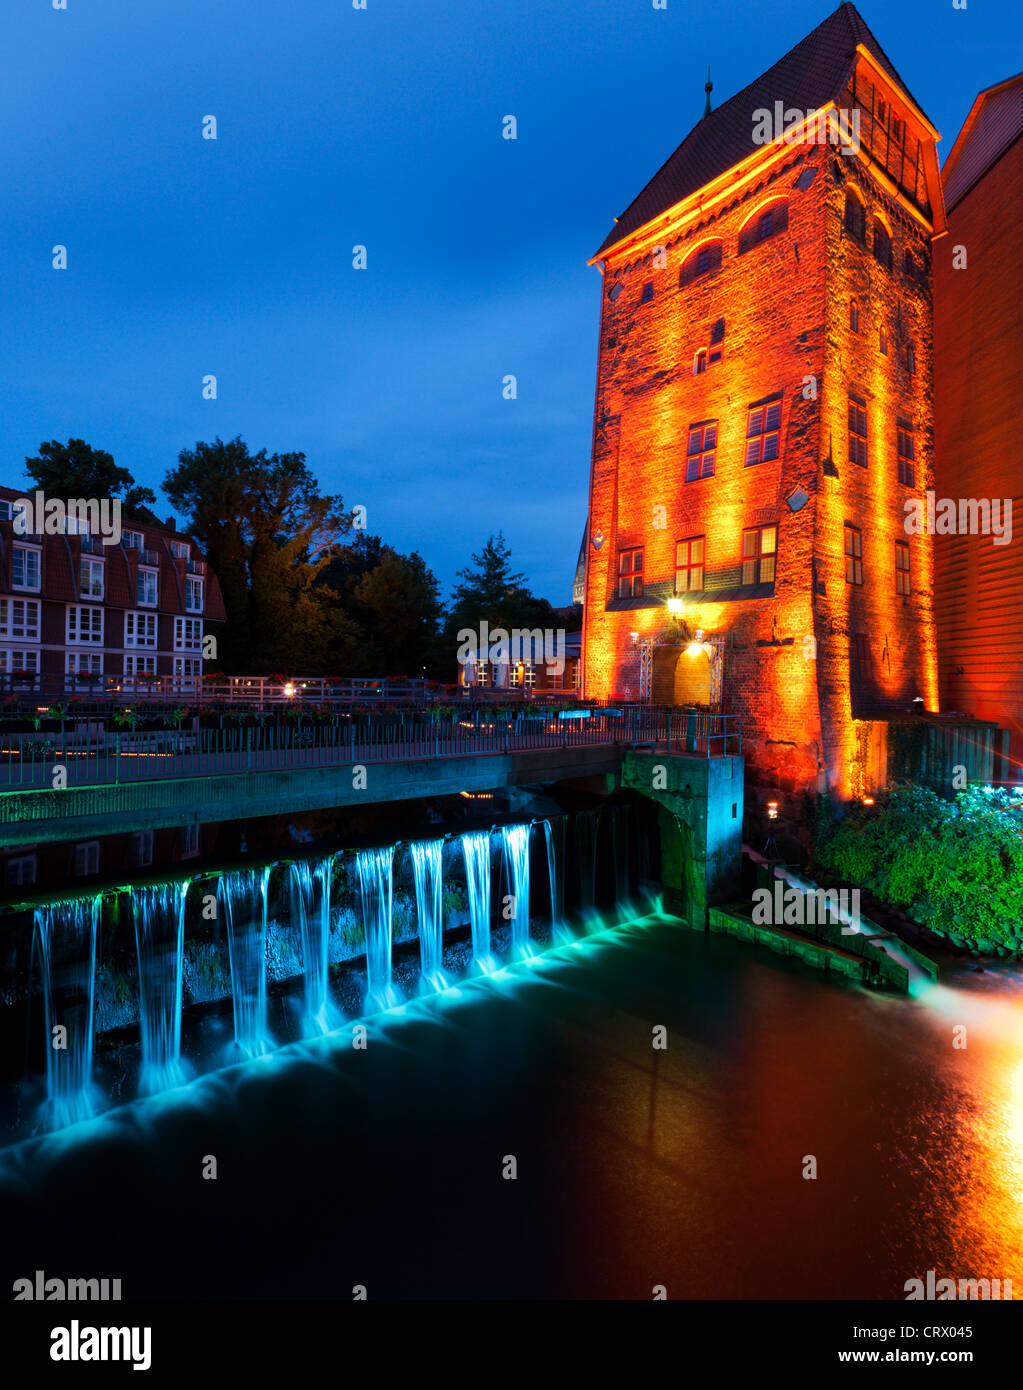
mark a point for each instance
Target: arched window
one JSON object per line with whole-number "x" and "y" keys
{"x": 703, "y": 261}
{"x": 855, "y": 217}
{"x": 882, "y": 244}
{"x": 700, "y": 362}
{"x": 768, "y": 222}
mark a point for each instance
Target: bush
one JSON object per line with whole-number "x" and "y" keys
{"x": 958, "y": 865}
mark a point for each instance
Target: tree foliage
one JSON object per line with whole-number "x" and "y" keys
{"x": 76, "y": 469}
{"x": 956, "y": 866}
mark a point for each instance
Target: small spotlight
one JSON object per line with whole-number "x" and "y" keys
{"x": 289, "y": 690}
{"x": 772, "y": 810}
{"x": 675, "y": 607}
{"x": 635, "y": 637}
{"x": 868, "y": 801}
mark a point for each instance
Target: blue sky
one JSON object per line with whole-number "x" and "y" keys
{"x": 381, "y": 127}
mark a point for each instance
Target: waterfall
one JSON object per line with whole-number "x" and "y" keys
{"x": 244, "y": 903}
{"x": 159, "y": 914}
{"x": 476, "y": 849}
{"x": 587, "y": 826}
{"x": 515, "y": 842}
{"x": 620, "y": 849}
{"x": 554, "y": 835}
{"x": 427, "y": 856}
{"x": 309, "y": 896}
{"x": 66, "y": 932}
{"x": 375, "y": 891}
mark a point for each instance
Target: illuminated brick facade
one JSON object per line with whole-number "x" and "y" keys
{"x": 978, "y": 332}
{"x": 765, "y": 335}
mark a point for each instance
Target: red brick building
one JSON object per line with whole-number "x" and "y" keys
{"x": 764, "y": 411}
{"x": 978, "y": 337}
{"x": 74, "y": 611}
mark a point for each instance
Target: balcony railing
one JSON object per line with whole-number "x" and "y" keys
{"x": 93, "y": 545}
{"x": 195, "y": 566}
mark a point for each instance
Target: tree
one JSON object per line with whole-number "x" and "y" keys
{"x": 76, "y": 469}
{"x": 268, "y": 533}
{"x": 494, "y": 593}
{"x": 398, "y": 605}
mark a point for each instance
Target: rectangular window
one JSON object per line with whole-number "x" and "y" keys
{"x": 134, "y": 540}
{"x": 902, "y": 578}
{"x": 859, "y": 657}
{"x": 853, "y": 555}
{"x": 142, "y": 849}
{"x": 19, "y": 619}
{"x": 907, "y": 468}
{"x": 187, "y": 634}
{"x": 188, "y": 669}
{"x": 759, "y": 553}
{"x": 193, "y": 595}
{"x": 190, "y": 840}
{"x": 703, "y": 440}
{"x": 83, "y": 663}
{"x": 21, "y": 871}
{"x": 84, "y": 625}
{"x": 19, "y": 663}
{"x": 910, "y": 360}
{"x": 139, "y": 665}
{"x": 689, "y": 565}
{"x": 87, "y": 859}
{"x": 140, "y": 629}
{"x": 762, "y": 432}
{"x": 91, "y": 578}
{"x": 630, "y": 573}
{"x": 857, "y": 432}
{"x": 25, "y": 567}
{"x": 180, "y": 550}
{"x": 146, "y": 588}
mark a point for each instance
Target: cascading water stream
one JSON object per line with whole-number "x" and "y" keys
{"x": 554, "y": 835}
{"x": 427, "y": 860}
{"x": 375, "y": 867}
{"x": 243, "y": 897}
{"x": 309, "y": 895}
{"x": 515, "y": 843}
{"x": 476, "y": 851}
{"x": 159, "y": 914}
{"x": 66, "y": 933}
{"x": 587, "y": 826}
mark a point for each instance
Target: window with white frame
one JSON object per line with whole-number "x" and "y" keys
{"x": 140, "y": 629}
{"x": 19, "y": 662}
{"x": 87, "y": 858}
{"x": 83, "y": 663}
{"x": 193, "y": 595}
{"x": 187, "y": 666}
{"x": 91, "y": 578}
{"x": 25, "y": 567}
{"x": 146, "y": 588}
{"x": 19, "y": 619}
{"x": 134, "y": 540}
{"x": 180, "y": 550}
{"x": 21, "y": 870}
{"x": 139, "y": 665}
{"x": 188, "y": 634}
{"x": 84, "y": 625}
{"x": 190, "y": 840}
{"x": 142, "y": 848}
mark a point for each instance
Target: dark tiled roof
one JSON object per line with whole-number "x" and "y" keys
{"x": 808, "y": 77}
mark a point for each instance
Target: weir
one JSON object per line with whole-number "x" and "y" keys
{"x": 243, "y": 898}
{"x": 66, "y": 935}
{"x": 309, "y": 893}
{"x": 375, "y": 868}
{"x": 476, "y": 850}
{"x": 427, "y": 862}
{"x": 515, "y": 843}
{"x": 159, "y": 916}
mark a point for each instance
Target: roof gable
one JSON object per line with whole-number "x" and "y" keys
{"x": 808, "y": 77}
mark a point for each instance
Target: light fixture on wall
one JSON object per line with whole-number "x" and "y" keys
{"x": 675, "y": 607}
{"x": 772, "y": 810}
{"x": 635, "y": 637}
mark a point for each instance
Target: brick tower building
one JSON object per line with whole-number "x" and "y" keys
{"x": 763, "y": 413}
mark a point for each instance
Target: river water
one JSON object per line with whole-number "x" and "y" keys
{"x": 635, "y": 1167}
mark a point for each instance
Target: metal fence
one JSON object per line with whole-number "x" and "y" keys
{"x": 93, "y": 756}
